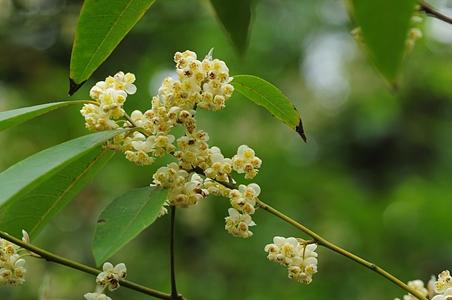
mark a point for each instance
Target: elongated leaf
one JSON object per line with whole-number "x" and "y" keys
{"x": 13, "y": 117}
{"x": 33, "y": 190}
{"x": 124, "y": 219}
{"x": 265, "y": 94}
{"x": 102, "y": 25}
{"x": 384, "y": 26}
{"x": 235, "y": 17}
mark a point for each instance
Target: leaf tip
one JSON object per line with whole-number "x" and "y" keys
{"x": 299, "y": 129}
{"x": 74, "y": 87}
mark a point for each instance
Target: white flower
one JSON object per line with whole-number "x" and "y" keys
{"x": 111, "y": 275}
{"x": 125, "y": 82}
{"x": 444, "y": 281}
{"x": 246, "y": 162}
{"x": 96, "y": 296}
{"x": 220, "y": 167}
{"x": 238, "y": 224}
{"x": 299, "y": 258}
{"x": 443, "y": 286}
{"x": 244, "y": 199}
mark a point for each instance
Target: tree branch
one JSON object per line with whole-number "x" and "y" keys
{"x": 429, "y": 10}
{"x": 81, "y": 267}
{"x": 327, "y": 244}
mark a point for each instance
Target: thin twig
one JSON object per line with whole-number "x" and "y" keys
{"x": 174, "y": 294}
{"x": 81, "y": 267}
{"x": 429, "y": 10}
{"x": 327, "y": 244}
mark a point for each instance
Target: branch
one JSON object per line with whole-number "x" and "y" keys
{"x": 327, "y": 244}
{"x": 174, "y": 294}
{"x": 429, "y": 10}
{"x": 81, "y": 267}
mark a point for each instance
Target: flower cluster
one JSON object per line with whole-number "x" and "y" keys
{"x": 12, "y": 265}
{"x": 202, "y": 84}
{"x": 109, "y": 96}
{"x": 184, "y": 189}
{"x": 245, "y": 161}
{"x": 297, "y": 255}
{"x": 243, "y": 203}
{"x": 108, "y": 279}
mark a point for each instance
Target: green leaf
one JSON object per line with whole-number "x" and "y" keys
{"x": 124, "y": 219}
{"x": 384, "y": 26}
{"x": 265, "y": 94}
{"x": 235, "y": 17}
{"x": 35, "y": 189}
{"x": 13, "y": 117}
{"x": 101, "y": 27}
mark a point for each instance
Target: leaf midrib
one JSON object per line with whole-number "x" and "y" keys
{"x": 105, "y": 38}
{"x": 266, "y": 99}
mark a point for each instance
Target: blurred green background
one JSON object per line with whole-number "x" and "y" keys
{"x": 375, "y": 176}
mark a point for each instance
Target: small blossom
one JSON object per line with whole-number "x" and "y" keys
{"x": 443, "y": 286}
{"x": 244, "y": 199}
{"x": 238, "y": 224}
{"x": 246, "y": 162}
{"x": 220, "y": 167}
{"x": 125, "y": 82}
{"x": 444, "y": 282}
{"x": 111, "y": 275}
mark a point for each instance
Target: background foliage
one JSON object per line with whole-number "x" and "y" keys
{"x": 374, "y": 177}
